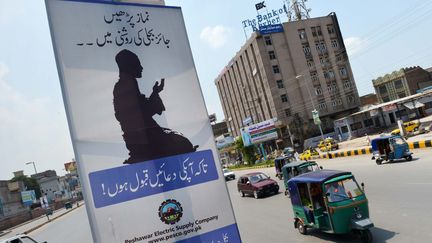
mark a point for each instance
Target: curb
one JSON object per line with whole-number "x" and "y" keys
{"x": 50, "y": 220}
{"x": 2, "y": 233}
{"x": 412, "y": 145}
{"x": 253, "y": 167}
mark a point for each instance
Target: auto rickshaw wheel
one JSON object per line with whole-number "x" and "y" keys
{"x": 301, "y": 228}
{"x": 409, "y": 158}
{"x": 366, "y": 236}
{"x": 378, "y": 161}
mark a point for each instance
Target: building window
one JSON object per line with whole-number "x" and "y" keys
{"x": 330, "y": 29}
{"x": 356, "y": 126}
{"x": 310, "y": 63}
{"x": 368, "y": 122}
{"x": 313, "y": 29}
{"x": 284, "y": 98}
{"x": 318, "y": 29}
{"x": 398, "y": 84}
{"x": 350, "y": 99}
{"x": 322, "y": 106}
{"x": 314, "y": 76}
{"x": 331, "y": 74}
{"x": 287, "y": 112}
{"x": 343, "y": 71}
{"x": 320, "y": 47}
{"x": 332, "y": 87}
{"x": 347, "y": 84}
{"x": 334, "y": 43}
{"x": 280, "y": 84}
{"x": 386, "y": 99}
{"x": 272, "y": 55}
{"x": 306, "y": 49}
{"x": 339, "y": 101}
{"x": 268, "y": 40}
{"x": 318, "y": 90}
{"x": 401, "y": 95}
{"x": 276, "y": 69}
{"x": 382, "y": 89}
{"x": 302, "y": 34}
{"x": 334, "y": 103}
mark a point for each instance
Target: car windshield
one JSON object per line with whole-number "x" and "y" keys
{"x": 308, "y": 168}
{"x": 342, "y": 190}
{"x": 258, "y": 177}
{"x": 226, "y": 170}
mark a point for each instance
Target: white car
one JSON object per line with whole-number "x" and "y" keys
{"x": 19, "y": 239}
{"x": 228, "y": 174}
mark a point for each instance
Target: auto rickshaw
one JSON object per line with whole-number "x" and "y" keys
{"x": 297, "y": 168}
{"x": 327, "y": 144}
{"x": 331, "y": 201}
{"x": 389, "y": 148}
{"x": 308, "y": 153}
{"x": 279, "y": 163}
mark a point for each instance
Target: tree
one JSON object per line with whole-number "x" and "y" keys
{"x": 247, "y": 152}
{"x": 29, "y": 183}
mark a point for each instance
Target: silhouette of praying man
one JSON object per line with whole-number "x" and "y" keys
{"x": 144, "y": 138}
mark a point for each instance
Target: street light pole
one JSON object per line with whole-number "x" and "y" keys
{"x": 310, "y": 97}
{"x": 34, "y": 166}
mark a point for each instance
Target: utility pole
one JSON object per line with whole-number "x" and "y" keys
{"x": 311, "y": 100}
{"x": 34, "y": 166}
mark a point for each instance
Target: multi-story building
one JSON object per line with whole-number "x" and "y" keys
{"x": 285, "y": 75}
{"x": 10, "y": 198}
{"x": 402, "y": 83}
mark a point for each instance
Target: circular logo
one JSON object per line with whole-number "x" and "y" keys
{"x": 170, "y": 211}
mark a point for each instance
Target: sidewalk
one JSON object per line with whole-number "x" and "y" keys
{"x": 36, "y": 223}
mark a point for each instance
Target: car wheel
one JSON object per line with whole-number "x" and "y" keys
{"x": 301, "y": 228}
{"x": 241, "y": 193}
{"x": 255, "y": 193}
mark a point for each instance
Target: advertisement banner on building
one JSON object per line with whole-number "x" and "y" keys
{"x": 269, "y": 29}
{"x": 261, "y": 132}
{"x": 28, "y": 197}
{"x": 142, "y": 138}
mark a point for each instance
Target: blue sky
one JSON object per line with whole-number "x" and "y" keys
{"x": 380, "y": 37}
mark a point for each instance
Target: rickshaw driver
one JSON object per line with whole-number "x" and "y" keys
{"x": 336, "y": 191}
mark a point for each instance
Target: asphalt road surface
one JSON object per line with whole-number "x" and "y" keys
{"x": 399, "y": 194}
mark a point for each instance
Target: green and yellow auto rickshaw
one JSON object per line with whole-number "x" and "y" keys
{"x": 330, "y": 201}
{"x": 297, "y": 168}
{"x": 279, "y": 162}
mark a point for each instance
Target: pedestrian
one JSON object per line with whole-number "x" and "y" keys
{"x": 367, "y": 139}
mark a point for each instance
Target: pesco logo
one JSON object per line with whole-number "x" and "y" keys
{"x": 170, "y": 211}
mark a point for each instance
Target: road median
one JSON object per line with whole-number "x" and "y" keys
{"x": 368, "y": 150}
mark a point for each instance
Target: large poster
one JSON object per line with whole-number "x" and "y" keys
{"x": 140, "y": 130}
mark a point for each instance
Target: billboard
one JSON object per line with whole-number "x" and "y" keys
{"x": 260, "y": 132}
{"x": 269, "y": 29}
{"x": 28, "y": 197}
{"x": 139, "y": 126}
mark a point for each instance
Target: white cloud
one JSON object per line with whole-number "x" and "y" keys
{"x": 215, "y": 36}
{"x": 32, "y": 129}
{"x": 354, "y": 45}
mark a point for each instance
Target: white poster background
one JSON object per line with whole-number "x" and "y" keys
{"x": 88, "y": 75}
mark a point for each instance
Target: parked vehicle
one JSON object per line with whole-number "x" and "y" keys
{"x": 328, "y": 144}
{"x": 330, "y": 201}
{"x": 19, "y": 239}
{"x": 279, "y": 162}
{"x": 389, "y": 148}
{"x": 68, "y": 205}
{"x": 297, "y": 168}
{"x": 411, "y": 126}
{"x": 308, "y": 153}
{"x": 258, "y": 184}
{"x": 228, "y": 174}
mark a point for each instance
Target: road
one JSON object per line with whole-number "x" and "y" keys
{"x": 399, "y": 194}
{"x": 70, "y": 228}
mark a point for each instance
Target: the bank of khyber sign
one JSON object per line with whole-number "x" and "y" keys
{"x": 140, "y": 131}
{"x": 268, "y": 22}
